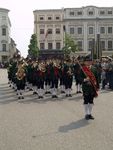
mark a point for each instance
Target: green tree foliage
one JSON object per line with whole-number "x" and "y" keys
{"x": 70, "y": 45}
{"x": 33, "y": 50}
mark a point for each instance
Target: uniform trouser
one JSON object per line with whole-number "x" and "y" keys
{"x": 68, "y": 83}
{"x": 103, "y": 83}
{"x": 88, "y": 99}
{"x": 111, "y": 80}
{"x": 54, "y": 83}
{"x": 47, "y": 81}
{"x": 62, "y": 81}
{"x": 20, "y": 85}
{"x": 40, "y": 84}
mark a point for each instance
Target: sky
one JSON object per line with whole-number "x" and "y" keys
{"x": 22, "y": 18}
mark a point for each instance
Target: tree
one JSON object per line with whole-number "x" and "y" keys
{"x": 33, "y": 50}
{"x": 70, "y": 45}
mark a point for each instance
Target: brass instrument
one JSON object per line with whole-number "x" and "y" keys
{"x": 70, "y": 71}
{"x": 20, "y": 73}
{"x": 56, "y": 64}
{"x": 42, "y": 67}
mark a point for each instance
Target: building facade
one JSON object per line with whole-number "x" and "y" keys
{"x": 90, "y": 27}
{"x": 6, "y": 49}
{"x": 48, "y": 26}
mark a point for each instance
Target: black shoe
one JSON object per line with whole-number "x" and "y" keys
{"x": 87, "y": 117}
{"x": 62, "y": 92}
{"x": 53, "y": 96}
{"x": 34, "y": 93}
{"x": 70, "y": 95}
{"x": 30, "y": 90}
{"x": 19, "y": 97}
{"x": 22, "y": 97}
{"x": 79, "y": 92}
{"x": 91, "y": 117}
{"x": 67, "y": 95}
{"x": 46, "y": 92}
{"x": 56, "y": 96}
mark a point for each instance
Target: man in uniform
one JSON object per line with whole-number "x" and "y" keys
{"x": 89, "y": 89}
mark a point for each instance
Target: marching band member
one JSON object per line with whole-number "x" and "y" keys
{"x": 62, "y": 84}
{"x": 20, "y": 81}
{"x": 40, "y": 79}
{"x": 47, "y": 78}
{"x": 34, "y": 77}
{"x": 29, "y": 73}
{"x": 89, "y": 87}
{"x": 68, "y": 78}
{"x": 54, "y": 78}
{"x": 77, "y": 75}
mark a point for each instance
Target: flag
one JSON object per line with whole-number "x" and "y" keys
{"x": 46, "y": 34}
{"x": 92, "y": 78}
{"x": 64, "y": 28}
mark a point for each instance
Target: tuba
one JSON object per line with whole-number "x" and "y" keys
{"x": 20, "y": 73}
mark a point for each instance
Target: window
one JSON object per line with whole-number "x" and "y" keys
{"x": 110, "y": 12}
{"x": 72, "y": 13}
{"x": 90, "y": 12}
{"x": 4, "y": 58}
{"x": 41, "y": 18}
{"x": 110, "y": 30}
{"x": 57, "y": 31}
{"x": 3, "y": 47}
{"x": 90, "y": 30}
{"x": 49, "y": 18}
{"x": 102, "y": 12}
{"x": 71, "y": 30}
{"x": 79, "y": 12}
{"x": 42, "y": 46}
{"x": 102, "y": 30}
{"x": 50, "y": 46}
{"x": 49, "y": 31}
{"x": 57, "y": 18}
{"x": 80, "y": 45}
{"x": 110, "y": 44}
{"x": 3, "y": 31}
{"x": 90, "y": 45}
{"x": 79, "y": 30}
{"x": 41, "y": 31}
{"x": 102, "y": 44}
{"x": 58, "y": 45}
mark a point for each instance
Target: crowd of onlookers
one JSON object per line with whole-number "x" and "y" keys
{"x": 4, "y": 65}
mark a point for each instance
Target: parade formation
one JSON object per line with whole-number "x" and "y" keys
{"x": 48, "y": 76}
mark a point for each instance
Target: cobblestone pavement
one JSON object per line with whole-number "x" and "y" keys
{"x": 47, "y": 124}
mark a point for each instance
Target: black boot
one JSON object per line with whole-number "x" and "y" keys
{"x": 91, "y": 117}
{"x": 87, "y": 117}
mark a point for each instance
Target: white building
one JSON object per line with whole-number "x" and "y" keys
{"x": 86, "y": 23}
{"x": 5, "y": 40}
{"x": 83, "y": 24}
{"x": 48, "y": 26}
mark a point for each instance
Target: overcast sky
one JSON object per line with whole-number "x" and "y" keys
{"x": 21, "y": 15}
